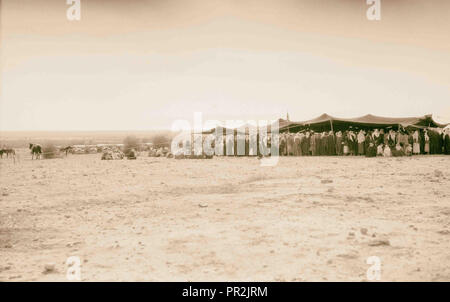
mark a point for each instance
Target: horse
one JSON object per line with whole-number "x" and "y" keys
{"x": 8, "y": 152}
{"x": 66, "y": 149}
{"x": 35, "y": 150}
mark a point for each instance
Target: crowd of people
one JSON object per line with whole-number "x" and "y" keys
{"x": 368, "y": 143}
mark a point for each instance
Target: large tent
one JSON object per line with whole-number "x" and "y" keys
{"x": 327, "y": 122}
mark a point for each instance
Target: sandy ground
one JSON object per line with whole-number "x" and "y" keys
{"x": 225, "y": 219}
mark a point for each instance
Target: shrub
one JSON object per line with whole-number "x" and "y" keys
{"x": 49, "y": 151}
{"x": 161, "y": 140}
{"x": 130, "y": 142}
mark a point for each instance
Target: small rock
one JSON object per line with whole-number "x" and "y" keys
{"x": 203, "y": 205}
{"x": 49, "y": 268}
{"x": 364, "y": 231}
{"x": 326, "y": 181}
{"x": 444, "y": 232}
{"x": 15, "y": 277}
{"x": 379, "y": 242}
{"x": 348, "y": 256}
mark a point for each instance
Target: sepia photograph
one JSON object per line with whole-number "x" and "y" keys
{"x": 184, "y": 141}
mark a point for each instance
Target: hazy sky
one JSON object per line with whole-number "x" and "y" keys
{"x": 142, "y": 64}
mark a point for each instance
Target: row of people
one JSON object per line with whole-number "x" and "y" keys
{"x": 350, "y": 142}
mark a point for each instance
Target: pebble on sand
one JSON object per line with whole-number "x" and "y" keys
{"x": 444, "y": 232}
{"x": 49, "y": 268}
{"x": 380, "y": 242}
{"x": 326, "y": 181}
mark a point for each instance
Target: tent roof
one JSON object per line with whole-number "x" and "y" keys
{"x": 368, "y": 120}
{"x": 324, "y": 122}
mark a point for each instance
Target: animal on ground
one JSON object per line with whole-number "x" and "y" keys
{"x": 8, "y": 152}
{"x": 66, "y": 149}
{"x": 36, "y": 151}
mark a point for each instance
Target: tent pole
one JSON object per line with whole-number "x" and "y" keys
{"x": 331, "y": 122}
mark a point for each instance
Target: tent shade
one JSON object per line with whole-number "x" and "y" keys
{"x": 327, "y": 122}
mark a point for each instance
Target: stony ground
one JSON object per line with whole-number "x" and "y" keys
{"x": 225, "y": 219}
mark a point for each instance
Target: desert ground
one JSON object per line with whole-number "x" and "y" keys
{"x": 225, "y": 219}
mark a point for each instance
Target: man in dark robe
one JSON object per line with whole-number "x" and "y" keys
{"x": 441, "y": 143}
{"x": 290, "y": 144}
{"x": 422, "y": 142}
{"x": 380, "y": 139}
{"x": 447, "y": 143}
{"x": 224, "y": 144}
{"x": 435, "y": 142}
{"x": 371, "y": 149}
{"x": 368, "y": 139}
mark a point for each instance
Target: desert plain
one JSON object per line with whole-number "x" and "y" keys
{"x": 225, "y": 219}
